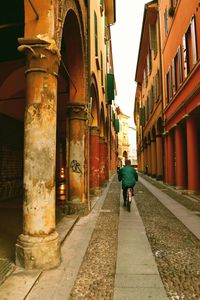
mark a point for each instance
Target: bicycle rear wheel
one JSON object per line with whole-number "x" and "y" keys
{"x": 129, "y": 198}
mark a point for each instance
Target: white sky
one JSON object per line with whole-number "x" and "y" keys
{"x": 125, "y": 34}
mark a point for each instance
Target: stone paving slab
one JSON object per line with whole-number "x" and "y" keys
{"x": 191, "y": 221}
{"x": 138, "y": 281}
{"x": 20, "y": 283}
{"x": 57, "y": 284}
{"x": 140, "y": 294}
{"x": 137, "y": 276}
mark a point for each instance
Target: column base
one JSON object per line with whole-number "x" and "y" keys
{"x": 96, "y": 191}
{"x": 159, "y": 177}
{"x": 76, "y": 208}
{"x": 38, "y": 252}
{"x": 179, "y": 187}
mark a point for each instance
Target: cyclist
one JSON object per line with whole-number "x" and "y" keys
{"x": 128, "y": 176}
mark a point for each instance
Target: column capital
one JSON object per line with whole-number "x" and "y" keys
{"x": 41, "y": 55}
{"x": 77, "y": 111}
{"x": 94, "y": 130}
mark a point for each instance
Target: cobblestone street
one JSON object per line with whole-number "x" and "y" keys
{"x": 175, "y": 248}
{"x": 96, "y": 275}
{"x": 111, "y": 253}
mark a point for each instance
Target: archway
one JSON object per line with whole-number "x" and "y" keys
{"x": 71, "y": 126}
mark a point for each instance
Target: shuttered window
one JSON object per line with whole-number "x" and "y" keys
{"x": 96, "y": 34}
{"x": 180, "y": 66}
{"x": 193, "y": 40}
{"x": 110, "y": 88}
{"x": 165, "y": 22}
{"x": 102, "y": 83}
{"x": 153, "y": 38}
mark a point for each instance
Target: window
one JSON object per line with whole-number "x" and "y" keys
{"x": 153, "y": 38}
{"x": 168, "y": 87}
{"x": 165, "y": 22}
{"x": 158, "y": 85}
{"x": 180, "y": 67}
{"x": 149, "y": 62}
{"x": 96, "y": 34}
{"x": 145, "y": 78}
{"x": 102, "y": 83}
{"x": 190, "y": 48}
{"x": 101, "y": 6}
{"x": 174, "y": 76}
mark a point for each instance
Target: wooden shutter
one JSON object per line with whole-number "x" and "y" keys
{"x": 110, "y": 88}
{"x": 193, "y": 38}
{"x": 96, "y": 34}
{"x": 185, "y": 63}
{"x": 153, "y": 38}
{"x": 180, "y": 65}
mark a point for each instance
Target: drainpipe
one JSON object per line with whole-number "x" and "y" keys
{"x": 161, "y": 82}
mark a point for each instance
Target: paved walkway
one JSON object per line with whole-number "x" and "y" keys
{"x": 136, "y": 276}
{"x": 187, "y": 217}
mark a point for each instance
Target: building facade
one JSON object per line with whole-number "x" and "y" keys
{"x": 47, "y": 108}
{"x": 180, "y": 31}
{"x": 148, "y": 100}
{"x": 123, "y": 137}
{"x": 172, "y": 124}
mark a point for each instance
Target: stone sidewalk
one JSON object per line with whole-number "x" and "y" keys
{"x": 136, "y": 275}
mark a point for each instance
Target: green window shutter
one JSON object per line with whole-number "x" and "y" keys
{"x": 101, "y": 69}
{"x": 96, "y": 34}
{"x": 142, "y": 116}
{"x": 105, "y": 28}
{"x": 110, "y": 88}
{"x": 113, "y": 118}
{"x": 153, "y": 38}
{"x": 116, "y": 125}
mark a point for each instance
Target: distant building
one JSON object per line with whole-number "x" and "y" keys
{"x": 123, "y": 141}
{"x": 132, "y": 143}
{"x": 148, "y": 98}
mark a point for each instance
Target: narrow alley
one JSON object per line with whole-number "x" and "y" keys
{"x": 151, "y": 252}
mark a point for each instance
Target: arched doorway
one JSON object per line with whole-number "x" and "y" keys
{"x": 72, "y": 116}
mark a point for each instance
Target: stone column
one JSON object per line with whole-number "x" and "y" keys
{"x": 166, "y": 157}
{"x": 170, "y": 159}
{"x": 102, "y": 161}
{"x": 77, "y": 203}
{"x": 149, "y": 158}
{"x": 145, "y": 170}
{"x": 106, "y": 162}
{"x": 193, "y": 155}
{"x": 159, "y": 157}
{"x": 38, "y": 247}
{"x": 153, "y": 158}
{"x": 181, "y": 169}
{"x": 94, "y": 160}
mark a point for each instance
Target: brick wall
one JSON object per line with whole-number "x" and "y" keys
{"x": 11, "y": 158}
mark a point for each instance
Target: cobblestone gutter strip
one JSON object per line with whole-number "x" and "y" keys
{"x": 176, "y": 250}
{"x": 95, "y": 279}
{"x": 190, "y": 203}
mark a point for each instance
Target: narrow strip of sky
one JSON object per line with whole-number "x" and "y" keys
{"x": 125, "y": 36}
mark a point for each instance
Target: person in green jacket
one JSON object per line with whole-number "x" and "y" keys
{"x": 128, "y": 176}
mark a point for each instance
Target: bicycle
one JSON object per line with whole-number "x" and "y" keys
{"x": 129, "y": 197}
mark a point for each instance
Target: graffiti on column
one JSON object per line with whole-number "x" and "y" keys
{"x": 75, "y": 166}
